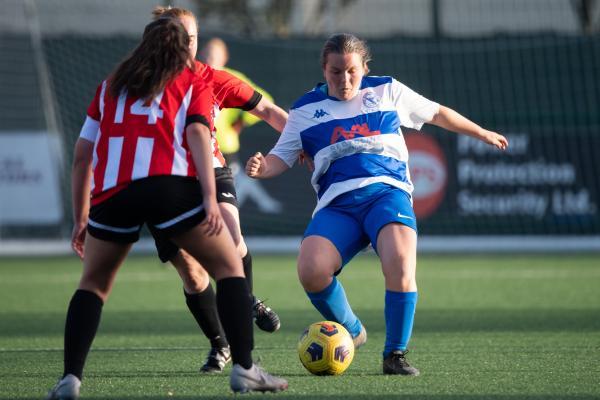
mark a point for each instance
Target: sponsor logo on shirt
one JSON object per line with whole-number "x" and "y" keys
{"x": 356, "y": 130}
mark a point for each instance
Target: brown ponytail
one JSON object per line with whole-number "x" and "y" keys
{"x": 162, "y": 55}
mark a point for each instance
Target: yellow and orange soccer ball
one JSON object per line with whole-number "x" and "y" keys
{"x": 326, "y": 348}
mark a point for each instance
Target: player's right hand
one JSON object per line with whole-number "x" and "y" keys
{"x": 255, "y": 165}
{"x": 304, "y": 159}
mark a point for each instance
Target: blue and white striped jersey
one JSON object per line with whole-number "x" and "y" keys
{"x": 357, "y": 142}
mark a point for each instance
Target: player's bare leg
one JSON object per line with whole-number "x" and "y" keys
{"x": 101, "y": 262}
{"x": 217, "y": 254}
{"x": 397, "y": 249}
{"x": 264, "y": 317}
{"x": 317, "y": 263}
{"x": 201, "y": 301}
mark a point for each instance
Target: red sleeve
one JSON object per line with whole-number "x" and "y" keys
{"x": 201, "y": 103}
{"x": 231, "y": 92}
{"x": 93, "y": 110}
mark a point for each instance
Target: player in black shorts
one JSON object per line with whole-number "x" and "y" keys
{"x": 200, "y": 299}
{"x": 140, "y": 175}
{"x": 225, "y": 194}
{"x": 230, "y": 92}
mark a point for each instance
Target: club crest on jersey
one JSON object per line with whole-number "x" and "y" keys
{"x": 370, "y": 101}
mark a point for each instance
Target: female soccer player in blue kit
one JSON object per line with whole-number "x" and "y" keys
{"x": 350, "y": 126}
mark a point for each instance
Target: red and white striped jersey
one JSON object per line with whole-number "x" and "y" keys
{"x": 134, "y": 140}
{"x": 229, "y": 92}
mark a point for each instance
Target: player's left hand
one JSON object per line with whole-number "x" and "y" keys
{"x": 78, "y": 238}
{"x": 495, "y": 139}
{"x": 213, "y": 223}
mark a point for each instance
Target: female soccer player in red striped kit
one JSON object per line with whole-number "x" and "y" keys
{"x": 151, "y": 123}
{"x": 230, "y": 92}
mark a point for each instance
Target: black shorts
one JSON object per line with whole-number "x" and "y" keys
{"x": 225, "y": 194}
{"x": 225, "y": 187}
{"x": 169, "y": 205}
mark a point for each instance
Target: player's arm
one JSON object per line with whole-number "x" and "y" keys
{"x": 198, "y": 128}
{"x": 270, "y": 113}
{"x": 282, "y": 156}
{"x": 232, "y": 92}
{"x": 81, "y": 178}
{"x": 261, "y": 167}
{"x": 199, "y": 140}
{"x": 451, "y": 120}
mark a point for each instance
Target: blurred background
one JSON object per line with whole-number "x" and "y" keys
{"x": 528, "y": 69}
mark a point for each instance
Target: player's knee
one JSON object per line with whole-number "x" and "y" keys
{"x": 400, "y": 281}
{"x": 313, "y": 278}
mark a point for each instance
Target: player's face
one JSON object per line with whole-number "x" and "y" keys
{"x": 343, "y": 73}
{"x": 216, "y": 56}
{"x": 190, "y": 26}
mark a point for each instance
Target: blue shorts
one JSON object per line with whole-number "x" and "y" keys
{"x": 353, "y": 219}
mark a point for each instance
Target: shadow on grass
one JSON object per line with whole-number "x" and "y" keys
{"x": 161, "y": 322}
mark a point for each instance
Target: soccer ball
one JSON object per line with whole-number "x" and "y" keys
{"x": 326, "y": 348}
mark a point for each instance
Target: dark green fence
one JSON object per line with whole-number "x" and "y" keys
{"x": 542, "y": 91}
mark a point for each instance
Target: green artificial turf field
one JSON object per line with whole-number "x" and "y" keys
{"x": 487, "y": 327}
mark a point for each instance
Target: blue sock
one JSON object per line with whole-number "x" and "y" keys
{"x": 399, "y": 317}
{"x": 333, "y": 305}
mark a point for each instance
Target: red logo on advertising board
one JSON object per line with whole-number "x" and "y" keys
{"x": 428, "y": 172}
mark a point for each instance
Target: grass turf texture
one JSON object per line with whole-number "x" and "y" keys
{"x": 489, "y": 327}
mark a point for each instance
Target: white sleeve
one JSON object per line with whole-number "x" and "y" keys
{"x": 289, "y": 145}
{"x": 414, "y": 110}
{"x": 89, "y": 130}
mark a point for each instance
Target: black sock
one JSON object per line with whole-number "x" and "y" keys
{"x": 247, "y": 263}
{"x": 203, "y": 307}
{"x": 83, "y": 318}
{"x": 235, "y": 310}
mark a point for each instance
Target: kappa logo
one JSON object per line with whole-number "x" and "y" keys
{"x": 320, "y": 113}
